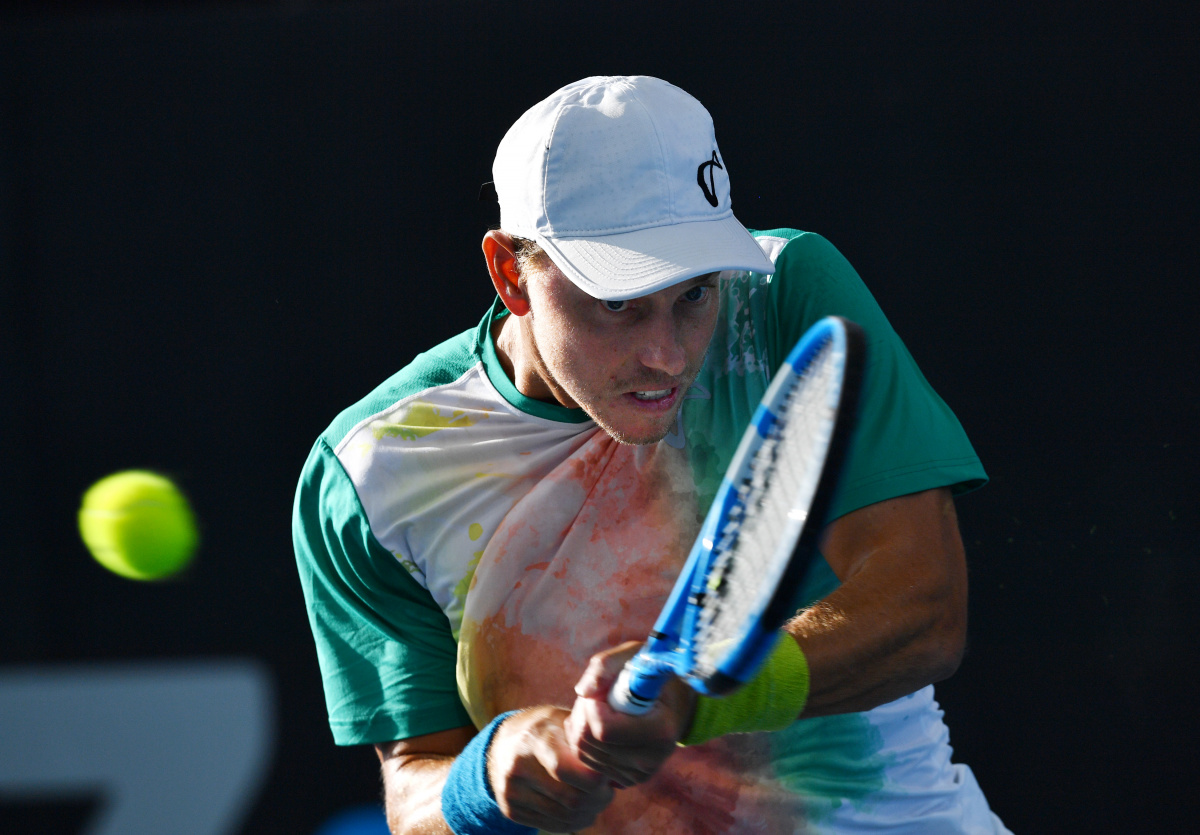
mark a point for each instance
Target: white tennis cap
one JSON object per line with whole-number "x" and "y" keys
{"x": 619, "y": 180}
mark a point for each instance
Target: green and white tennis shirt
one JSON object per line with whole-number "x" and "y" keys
{"x": 464, "y": 550}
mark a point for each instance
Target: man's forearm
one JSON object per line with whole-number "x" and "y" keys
{"x": 855, "y": 667}
{"x": 414, "y": 801}
{"x": 414, "y": 773}
{"x": 898, "y": 622}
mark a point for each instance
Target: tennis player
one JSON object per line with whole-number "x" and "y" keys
{"x": 483, "y": 539}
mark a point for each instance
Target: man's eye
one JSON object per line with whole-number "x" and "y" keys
{"x": 696, "y": 294}
{"x": 615, "y": 306}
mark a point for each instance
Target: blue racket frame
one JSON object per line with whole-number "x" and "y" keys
{"x": 670, "y": 650}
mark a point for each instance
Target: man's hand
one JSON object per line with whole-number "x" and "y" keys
{"x": 537, "y": 777}
{"x": 626, "y": 749}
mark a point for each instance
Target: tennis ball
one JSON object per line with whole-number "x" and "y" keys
{"x": 137, "y": 524}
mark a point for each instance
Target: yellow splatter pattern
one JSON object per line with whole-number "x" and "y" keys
{"x": 474, "y": 531}
{"x": 422, "y": 419}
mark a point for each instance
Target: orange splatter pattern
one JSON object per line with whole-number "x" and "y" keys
{"x": 585, "y": 561}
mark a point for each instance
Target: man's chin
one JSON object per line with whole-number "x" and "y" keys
{"x": 643, "y": 435}
{"x": 637, "y": 440}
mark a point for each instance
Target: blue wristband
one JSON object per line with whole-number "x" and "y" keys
{"x": 468, "y": 804}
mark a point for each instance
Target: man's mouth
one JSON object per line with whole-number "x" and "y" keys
{"x": 656, "y": 394}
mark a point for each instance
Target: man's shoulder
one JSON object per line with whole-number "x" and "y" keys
{"x": 440, "y": 366}
{"x": 781, "y": 233}
{"x": 797, "y": 243}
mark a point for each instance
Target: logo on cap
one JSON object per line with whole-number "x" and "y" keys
{"x": 709, "y": 186}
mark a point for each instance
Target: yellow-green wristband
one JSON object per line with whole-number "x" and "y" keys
{"x": 768, "y": 702}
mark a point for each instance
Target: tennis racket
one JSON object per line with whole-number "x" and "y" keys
{"x": 740, "y": 582}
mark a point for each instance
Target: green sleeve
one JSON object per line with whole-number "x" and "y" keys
{"x": 907, "y": 438}
{"x": 385, "y": 649}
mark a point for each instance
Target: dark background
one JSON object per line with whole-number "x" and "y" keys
{"x": 222, "y": 223}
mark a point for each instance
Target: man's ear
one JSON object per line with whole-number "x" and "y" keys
{"x": 500, "y": 253}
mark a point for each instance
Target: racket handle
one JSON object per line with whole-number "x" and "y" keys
{"x": 635, "y": 690}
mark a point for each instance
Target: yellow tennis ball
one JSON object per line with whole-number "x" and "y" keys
{"x": 137, "y": 524}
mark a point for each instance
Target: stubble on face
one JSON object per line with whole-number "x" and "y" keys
{"x": 593, "y": 403}
{"x": 570, "y": 376}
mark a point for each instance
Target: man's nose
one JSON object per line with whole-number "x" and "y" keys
{"x": 663, "y": 350}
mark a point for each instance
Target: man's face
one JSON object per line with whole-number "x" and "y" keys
{"x": 627, "y": 364}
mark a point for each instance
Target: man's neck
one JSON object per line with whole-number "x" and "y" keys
{"x": 520, "y": 361}
{"x": 502, "y": 330}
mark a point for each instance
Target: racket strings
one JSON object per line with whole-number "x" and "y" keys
{"x": 748, "y": 559}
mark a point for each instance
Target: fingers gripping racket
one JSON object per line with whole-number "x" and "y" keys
{"x": 739, "y": 584}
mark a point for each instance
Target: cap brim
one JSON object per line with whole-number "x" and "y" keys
{"x": 632, "y": 264}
